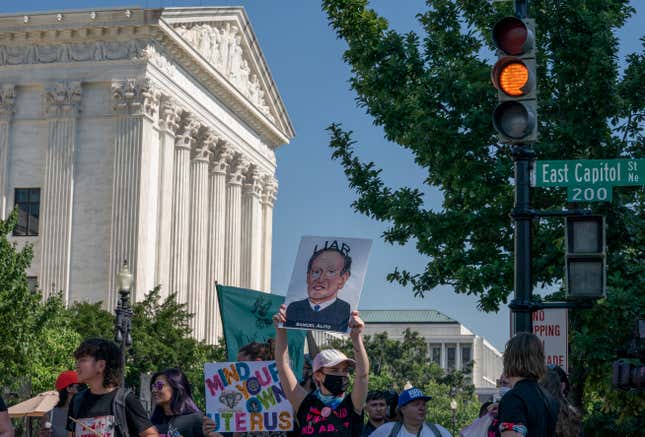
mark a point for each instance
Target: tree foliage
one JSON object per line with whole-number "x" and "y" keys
{"x": 431, "y": 94}
{"x": 41, "y": 335}
{"x": 395, "y": 363}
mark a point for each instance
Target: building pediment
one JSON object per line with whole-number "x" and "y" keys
{"x": 216, "y": 45}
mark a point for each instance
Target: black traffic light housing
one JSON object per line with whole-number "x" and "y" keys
{"x": 585, "y": 262}
{"x": 514, "y": 76}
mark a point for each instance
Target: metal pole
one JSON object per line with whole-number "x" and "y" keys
{"x": 523, "y": 216}
{"x": 522, "y": 8}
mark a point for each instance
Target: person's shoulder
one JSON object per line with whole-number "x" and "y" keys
{"x": 383, "y": 430}
{"x": 444, "y": 432}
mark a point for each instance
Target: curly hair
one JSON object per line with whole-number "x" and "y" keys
{"x": 102, "y": 349}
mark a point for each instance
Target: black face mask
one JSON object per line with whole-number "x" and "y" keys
{"x": 336, "y": 384}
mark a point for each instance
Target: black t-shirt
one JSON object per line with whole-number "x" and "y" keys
{"x": 3, "y": 407}
{"x": 530, "y": 406}
{"x": 95, "y": 412}
{"x": 368, "y": 429}
{"x": 186, "y": 425}
{"x": 316, "y": 419}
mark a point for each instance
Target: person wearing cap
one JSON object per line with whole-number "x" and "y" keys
{"x": 411, "y": 422}
{"x": 329, "y": 410}
{"x": 54, "y": 423}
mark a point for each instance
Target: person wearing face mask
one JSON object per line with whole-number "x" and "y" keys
{"x": 329, "y": 410}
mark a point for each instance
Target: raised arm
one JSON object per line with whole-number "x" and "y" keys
{"x": 359, "y": 392}
{"x": 294, "y": 392}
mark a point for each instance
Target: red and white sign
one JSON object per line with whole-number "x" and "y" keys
{"x": 552, "y": 326}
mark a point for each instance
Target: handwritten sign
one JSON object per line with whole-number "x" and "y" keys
{"x": 246, "y": 396}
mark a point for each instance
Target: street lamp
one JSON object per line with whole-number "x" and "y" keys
{"x": 453, "y": 407}
{"x": 123, "y": 315}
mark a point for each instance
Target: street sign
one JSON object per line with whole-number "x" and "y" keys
{"x": 552, "y": 327}
{"x": 590, "y": 180}
{"x": 589, "y": 173}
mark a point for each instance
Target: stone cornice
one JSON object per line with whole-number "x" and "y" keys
{"x": 62, "y": 99}
{"x": 7, "y": 101}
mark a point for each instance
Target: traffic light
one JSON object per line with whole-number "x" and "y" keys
{"x": 585, "y": 258}
{"x": 514, "y": 76}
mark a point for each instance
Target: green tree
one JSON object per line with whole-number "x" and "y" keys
{"x": 395, "y": 363}
{"x": 431, "y": 95}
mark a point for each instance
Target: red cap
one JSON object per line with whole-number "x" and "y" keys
{"x": 66, "y": 379}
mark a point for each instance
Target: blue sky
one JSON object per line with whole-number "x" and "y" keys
{"x": 305, "y": 59}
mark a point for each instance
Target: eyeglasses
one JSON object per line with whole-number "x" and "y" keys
{"x": 158, "y": 385}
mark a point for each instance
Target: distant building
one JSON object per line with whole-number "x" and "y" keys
{"x": 450, "y": 344}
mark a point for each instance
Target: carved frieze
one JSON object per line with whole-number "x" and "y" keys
{"x": 222, "y": 48}
{"x": 7, "y": 101}
{"x": 64, "y": 53}
{"x": 62, "y": 99}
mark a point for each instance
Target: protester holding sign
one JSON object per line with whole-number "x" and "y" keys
{"x": 328, "y": 410}
{"x": 175, "y": 412}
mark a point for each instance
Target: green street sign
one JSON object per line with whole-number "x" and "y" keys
{"x": 590, "y": 173}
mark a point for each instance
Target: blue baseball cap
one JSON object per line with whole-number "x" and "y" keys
{"x": 411, "y": 394}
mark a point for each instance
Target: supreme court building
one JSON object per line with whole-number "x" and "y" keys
{"x": 145, "y": 135}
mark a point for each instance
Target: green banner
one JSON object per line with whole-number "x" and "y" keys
{"x": 247, "y": 317}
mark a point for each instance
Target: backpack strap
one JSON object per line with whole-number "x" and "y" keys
{"x": 118, "y": 407}
{"x": 434, "y": 429}
{"x": 395, "y": 429}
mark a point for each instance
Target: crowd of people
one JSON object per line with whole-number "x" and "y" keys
{"x": 532, "y": 398}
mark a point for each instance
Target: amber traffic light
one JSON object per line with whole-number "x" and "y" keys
{"x": 515, "y": 117}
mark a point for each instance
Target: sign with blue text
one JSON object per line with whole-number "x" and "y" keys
{"x": 246, "y": 396}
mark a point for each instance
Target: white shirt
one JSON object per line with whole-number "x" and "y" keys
{"x": 385, "y": 430}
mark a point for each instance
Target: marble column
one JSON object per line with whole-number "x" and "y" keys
{"x": 168, "y": 124}
{"x": 7, "y": 104}
{"x": 251, "y": 256}
{"x": 216, "y": 238}
{"x": 233, "y": 240}
{"x": 181, "y": 207}
{"x": 136, "y": 106}
{"x": 269, "y": 193}
{"x": 198, "y": 231}
{"x": 61, "y": 106}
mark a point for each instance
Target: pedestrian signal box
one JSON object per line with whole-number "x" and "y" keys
{"x": 585, "y": 271}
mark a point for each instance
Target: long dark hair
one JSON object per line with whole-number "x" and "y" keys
{"x": 181, "y": 401}
{"x": 62, "y": 397}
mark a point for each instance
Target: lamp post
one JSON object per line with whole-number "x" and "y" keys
{"x": 453, "y": 407}
{"x": 123, "y": 315}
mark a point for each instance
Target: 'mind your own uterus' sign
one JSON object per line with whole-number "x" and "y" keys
{"x": 246, "y": 396}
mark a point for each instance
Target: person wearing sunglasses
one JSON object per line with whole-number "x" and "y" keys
{"x": 175, "y": 413}
{"x": 54, "y": 424}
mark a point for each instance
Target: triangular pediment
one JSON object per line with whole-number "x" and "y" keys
{"x": 223, "y": 37}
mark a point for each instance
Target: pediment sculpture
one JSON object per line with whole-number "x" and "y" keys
{"x": 222, "y": 48}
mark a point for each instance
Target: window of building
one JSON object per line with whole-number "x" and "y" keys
{"x": 451, "y": 357}
{"x": 466, "y": 356}
{"x": 435, "y": 353}
{"x": 27, "y": 201}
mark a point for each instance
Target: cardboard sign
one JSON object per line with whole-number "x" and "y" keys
{"x": 326, "y": 282}
{"x": 552, "y": 326}
{"x": 246, "y": 396}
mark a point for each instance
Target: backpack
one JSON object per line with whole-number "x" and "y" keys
{"x": 397, "y": 427}
{"x": 118, "y": 407}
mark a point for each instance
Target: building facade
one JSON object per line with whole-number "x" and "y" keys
{"x": 145, "y": 135}
{"x": 450, "y": 344}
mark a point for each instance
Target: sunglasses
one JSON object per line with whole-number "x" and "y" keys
{"x": 157, "y": 385}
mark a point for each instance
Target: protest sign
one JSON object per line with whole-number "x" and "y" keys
{"x": 246, "y": 396}
{"x": 326, "y": 282}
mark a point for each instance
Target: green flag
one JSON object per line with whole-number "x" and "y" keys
{"x": 247, "y": 317}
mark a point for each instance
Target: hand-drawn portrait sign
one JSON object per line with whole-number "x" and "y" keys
{"x": 246, "y": 396}
{"x": 326, "y": 282}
